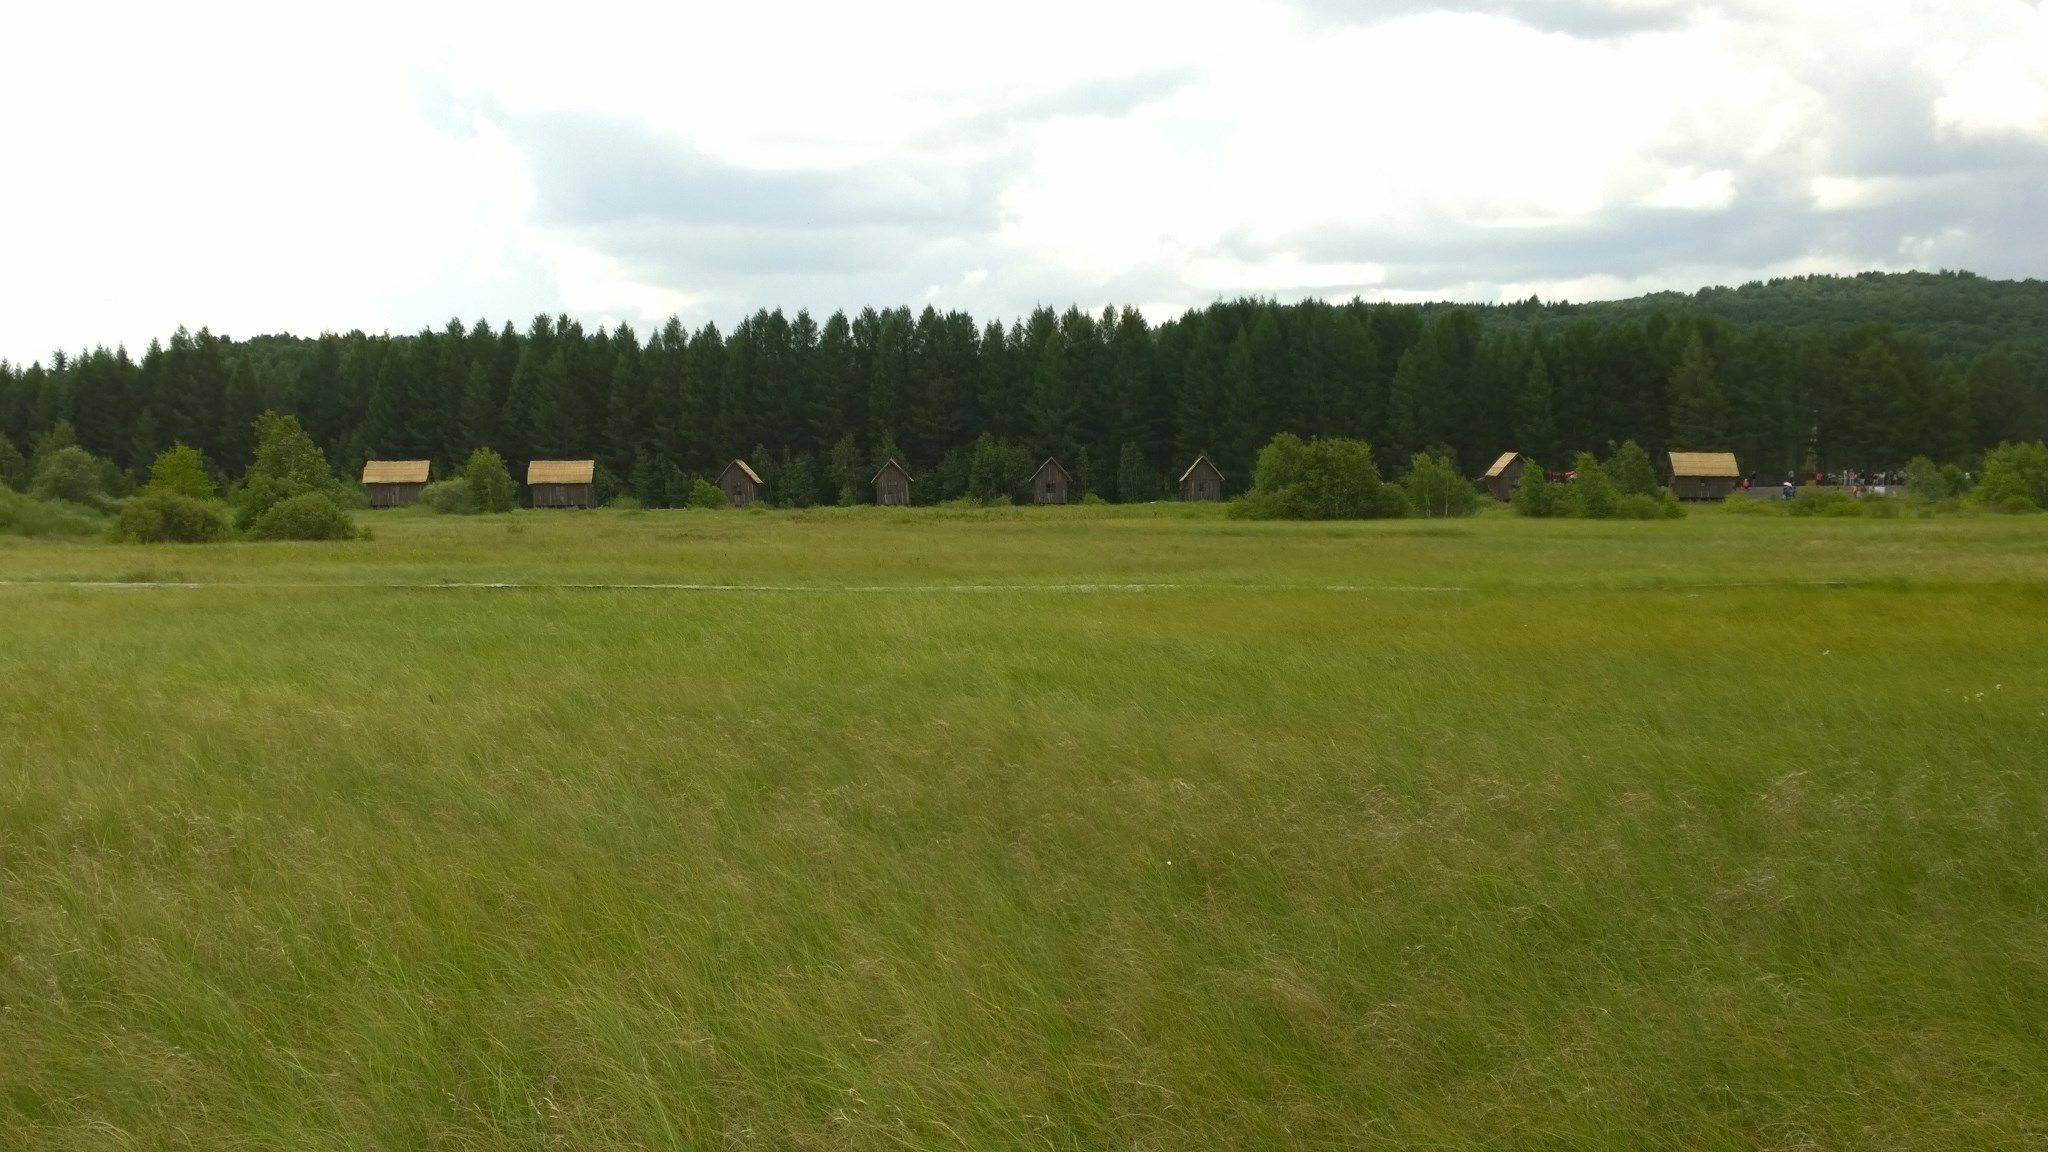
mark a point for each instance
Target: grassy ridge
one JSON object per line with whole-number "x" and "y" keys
{"x": 1566, "y": 859}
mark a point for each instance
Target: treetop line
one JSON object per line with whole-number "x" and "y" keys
{"x": 1121, "y": 402}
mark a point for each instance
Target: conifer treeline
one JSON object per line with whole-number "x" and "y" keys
{"x": 1122, "y": 401}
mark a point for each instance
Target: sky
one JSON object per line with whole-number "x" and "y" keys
{"x": 389, "y": 166}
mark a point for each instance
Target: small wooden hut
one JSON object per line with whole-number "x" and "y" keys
{"x": 394, "y": 483}
{"x": 1049, "y": 484}
{"x": 892, "y": 485}
{"x": 740, "y": 483}
{"x": 563, "y": 483}
{"x": 1702, "y": 475}
{"x": 1202, "y": 481}
{"x": 1504, "y": 475}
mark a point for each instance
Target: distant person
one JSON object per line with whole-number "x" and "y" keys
{"x": 1788, "y": 488}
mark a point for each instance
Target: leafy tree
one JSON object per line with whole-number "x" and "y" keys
{"x": 1593, "y": 494}
{"x": 1330, "y": 478}
{"x": 1631, "y": 471}
{"x": 1435, "y": 488}
{"x": 288, "y": 464}
{"x": 799, "y": 482}
{"x": 2015, "y": 478}
{"x": 1535, "y": 496}
{"x": 487, "y": 483}
{"x": 705, "y": 494}
{"x": 180, "y": 469}
{"x": 69, "y": 473}
{"x": 847, "y": 471}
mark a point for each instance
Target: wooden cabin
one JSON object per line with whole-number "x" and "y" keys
{"x": 394, "y": 483}
{"x": 1202, "y": 481}
{"x": 563, "y": 483}
{"x": 1504, "y": 475}
{"x": 892, "y": 485}
{"x": 740, "y": 483}
{"x": 1702, "y": 475}
{"x": 1050, "y": 483}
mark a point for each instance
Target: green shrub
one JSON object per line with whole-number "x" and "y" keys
{"x": 164, "y": 516}
{"x": 488, "y": 483}
{"x": 2015, "y": 478}
{"x": 1883, "y": 507}
{"x": 1631, "y": 471}
{"x": 181, "y": 470}
{"x": 1657, "y": 505}
{"x": 1812, "y": 501}
{"x": 705, "y": 494}
{"x": 1593, "y": 495}
{"x": 1435, "y": 489}
{"x": 1535, "y": 496}
{"x": 1751, "y": 506}
{"x": 307, "y": 516}
{"x": 1091, "y": 498}
{"x": 22, "y": 515}
{"x": 1331, "y": 478}
{"x": 624, "y": 502}
{"x": 70, "y": 473}
{"x": 447, "y": 497}
{"x": 288, "y": 465}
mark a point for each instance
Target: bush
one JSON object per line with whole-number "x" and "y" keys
{"x": 448, "y": 497}
{"x": 14, "y": 470}
{"x": 181, "y": 471}
{"x": 27, "y": 516}
{"x": 1593, "y": 495}
{"x": 1882, "y": 507}
{"x": 488, "y": 483}
{"x": 1822, "y": 502}
{"x": 1091, "y": 498}
{"x": 1326, "y": 479}
{"x": 705, "y": 494}
{"x": 1631, "y": 471}
{"x": 288, "y": 465}
{"x": 1657, "y": 505}
{"x": 2015, "y": 478}
{"x": 1751, "y": 506}
{"x": 164, "y": 516}
{"x": 1435, "y": 488}
{"x": 307, "y": 516}
{"x": 624, "y": 502}
{"x": 70, "y": 473}
{"x": 1535, "y": 496}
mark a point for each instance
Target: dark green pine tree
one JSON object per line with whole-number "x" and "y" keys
{"x": 1534, "y": 412}
{"x": 626, "y": 427}
{"x": 240, "y": 405}
{"x": 1699, "y": 409}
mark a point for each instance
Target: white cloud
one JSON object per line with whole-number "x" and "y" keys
{"x": 263, "y": 167}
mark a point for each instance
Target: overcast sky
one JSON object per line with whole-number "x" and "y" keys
{"x": 389, "y": 166}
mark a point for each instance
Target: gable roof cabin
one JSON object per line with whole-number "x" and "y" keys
{"x": 392, "y": 483}
{"x": 892, "y": 484}
{"x": 562, "y": 483}
{"x": 1049, "y": 484}
{"x": 1702, "y": 475}
{"x": 1500, "y": 480}
{"x": 740, "y": 483}
{"x": 1202, "y": 481}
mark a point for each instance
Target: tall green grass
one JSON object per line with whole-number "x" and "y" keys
{"x": 1604, "y": 848}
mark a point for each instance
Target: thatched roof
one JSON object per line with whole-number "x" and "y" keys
{"x": 561, "y": 471}
{"x": 395, "y": 471}
{"x": 1501, "y": 465}
{"x": 745, "y": 470}
{"x": 893, "y": 464}
{"x": 1705, "y": 465}
{"x": 1055, "y": 466}
{"x": 1199, "y": 461}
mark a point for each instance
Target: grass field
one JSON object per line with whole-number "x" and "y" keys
{"x": 1064, "y": 829}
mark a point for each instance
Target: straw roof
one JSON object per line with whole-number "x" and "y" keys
{"x": 1501, "y": 465}
{"x": 561, "y": 471}
{"x": 395, "y": 471}
{"x": 1709, "y": 465}
{"x": 746, "y": 471}
{"x": 1054, "y": 464}
{"x": 893, "y": 464}
{"x": 1199, "y": 461}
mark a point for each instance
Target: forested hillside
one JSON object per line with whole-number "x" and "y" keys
{"x": 1860, "y": 372}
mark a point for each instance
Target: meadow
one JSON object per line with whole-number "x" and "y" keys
{"x": 1028, "y": 828}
